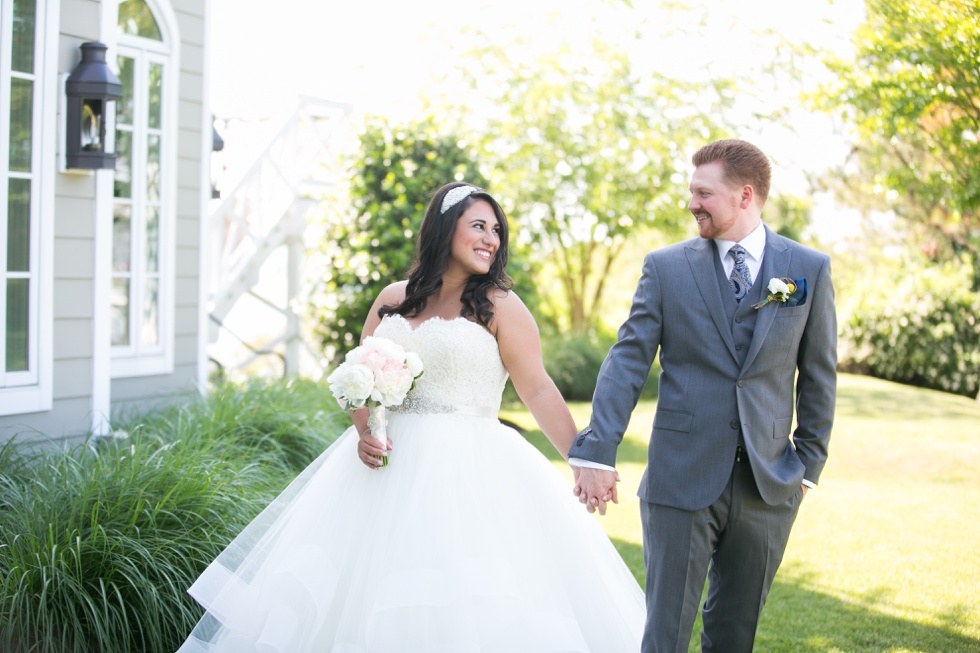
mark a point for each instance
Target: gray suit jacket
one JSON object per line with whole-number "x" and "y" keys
{"x": 706, "y": 397}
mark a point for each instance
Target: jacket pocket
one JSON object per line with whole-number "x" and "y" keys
{"x": 780, "y": 428}
{"x": 669, "y": 420}
{"x": 792, "y": 312}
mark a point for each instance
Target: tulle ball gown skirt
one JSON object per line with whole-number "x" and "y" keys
{"x": 468, "y": 541}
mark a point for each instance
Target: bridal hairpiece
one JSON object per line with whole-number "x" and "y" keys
{"x": 457, "y": 195}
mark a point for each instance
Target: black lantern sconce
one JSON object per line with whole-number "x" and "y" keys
{"x": 92, "y": 90}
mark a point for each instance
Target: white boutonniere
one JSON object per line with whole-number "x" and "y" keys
{"x": 782, "y": 290}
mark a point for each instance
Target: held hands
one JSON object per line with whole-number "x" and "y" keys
{"x": 595, "y": 488}
{"x": 369, "y": 449}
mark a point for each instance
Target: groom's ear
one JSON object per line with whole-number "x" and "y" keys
{"x": 746, "y": 197}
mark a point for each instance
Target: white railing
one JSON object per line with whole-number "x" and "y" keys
{"x": 256, "y": 242}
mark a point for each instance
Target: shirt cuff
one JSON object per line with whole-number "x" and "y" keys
{"x": 581, "y": 462}
{"x": 809, "y": 484}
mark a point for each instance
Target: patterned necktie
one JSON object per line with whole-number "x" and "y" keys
{"x": 740, "y": 279}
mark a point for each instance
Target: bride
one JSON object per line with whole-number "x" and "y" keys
{"x": 469, "y": 540}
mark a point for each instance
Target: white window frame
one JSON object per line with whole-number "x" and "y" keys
{"x": 31, "y": 390}
{"x": 136, "y": 359}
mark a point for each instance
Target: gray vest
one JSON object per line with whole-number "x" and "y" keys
{"x": 741, "y": 317}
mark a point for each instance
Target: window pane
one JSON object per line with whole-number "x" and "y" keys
{"x": 119, "y": 302}
{"x": 152, "y": 239}
{"x": 21, "y": 123}
{"x": 122, "y": 185}
{"x": 153, "y": 168}
{"x": 19, "y": 225}
{"x": 124, "y": 105}
{"x": 136, "y": 18}
{"x": 151, "y": 312}
{"x": 122, "y": 230}
{"x": 156, "y": 96}
{"x": 18, "y": 298}
{"x": 23, "y": 37}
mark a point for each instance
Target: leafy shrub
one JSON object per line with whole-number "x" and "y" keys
{"x": 927, "y": 335}
{"x": 573, "y": 362}
{"x": 99, "y": 544}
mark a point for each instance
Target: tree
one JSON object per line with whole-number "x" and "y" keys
{"x": 394, "y": 174}
{"x": 591, "y": 154}
{"x": 912, "y": 92}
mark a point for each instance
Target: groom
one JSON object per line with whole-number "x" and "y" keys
{"x": 726, "y": 471}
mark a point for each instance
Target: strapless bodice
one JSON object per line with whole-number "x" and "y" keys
{"x": 462, "y": 373}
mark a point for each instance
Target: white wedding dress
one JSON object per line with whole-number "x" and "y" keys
{"x": 468, "y": 541}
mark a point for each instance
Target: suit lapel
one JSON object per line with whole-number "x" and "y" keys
{"x": 699, "y": 257}
{"x": 775, "y": 263}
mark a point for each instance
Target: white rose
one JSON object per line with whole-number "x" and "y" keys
{"x": 778, "y": 287}
{"x": 352, "y": 383}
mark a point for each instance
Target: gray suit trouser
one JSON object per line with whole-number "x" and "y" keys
{"x": 742, "y": 537}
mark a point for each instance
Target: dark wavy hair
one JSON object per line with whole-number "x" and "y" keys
{"x": 432, "y": 251}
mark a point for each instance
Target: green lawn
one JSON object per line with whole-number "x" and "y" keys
{"x": 882, "y": 557}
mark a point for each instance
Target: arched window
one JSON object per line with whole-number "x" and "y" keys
{"x": 144, "y": 188}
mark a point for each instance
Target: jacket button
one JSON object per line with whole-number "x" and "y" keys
{"x": 734, "y": 424}
{"x": 741, "y": 383}
{"x": 581, "y": 441}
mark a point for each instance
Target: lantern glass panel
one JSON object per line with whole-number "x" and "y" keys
{"x": 91, "y": 131}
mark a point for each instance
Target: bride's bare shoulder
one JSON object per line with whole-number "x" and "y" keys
{"x": 509, "y": 310}
{"x": 392, "y": 295}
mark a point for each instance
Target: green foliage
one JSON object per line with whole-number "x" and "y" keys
{"x": 573, "y": 361}
{"x": 789, "y": 215}
{"x": 394, "y": 174}
{"x": 925, "y": 332}
{"x": 98, "y": 545}
{"x": 911, "y": 92}
{"x": 591, "y": 153}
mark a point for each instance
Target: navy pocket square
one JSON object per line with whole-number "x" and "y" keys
{"x": 783, "y": 290}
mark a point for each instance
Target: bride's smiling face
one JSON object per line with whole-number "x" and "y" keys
{"x": 476, "y": 239}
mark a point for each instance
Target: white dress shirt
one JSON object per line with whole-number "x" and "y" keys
{"x": 755, "y": 249}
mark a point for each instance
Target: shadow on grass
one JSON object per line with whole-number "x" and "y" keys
{"x": 871, "y": 398}
{"x": 800, "y": 620}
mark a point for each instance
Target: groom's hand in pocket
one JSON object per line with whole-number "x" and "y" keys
{"x": 595, "y": 488}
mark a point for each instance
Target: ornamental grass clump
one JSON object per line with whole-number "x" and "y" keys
{"x": 98, "y": 544}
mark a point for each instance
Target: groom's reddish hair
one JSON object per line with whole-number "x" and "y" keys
{"x": 744, "y": 164}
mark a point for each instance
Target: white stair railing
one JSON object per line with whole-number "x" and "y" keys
{"x": 256, "y": 244}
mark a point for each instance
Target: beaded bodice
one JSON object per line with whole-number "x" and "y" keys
{"x": 462, "y": 367}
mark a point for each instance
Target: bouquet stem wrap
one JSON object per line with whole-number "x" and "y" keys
{"x": 378, "y": 423}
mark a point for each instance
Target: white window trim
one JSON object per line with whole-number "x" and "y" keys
{"x": 37, "y": 395}
{"x": 126, "y": 362}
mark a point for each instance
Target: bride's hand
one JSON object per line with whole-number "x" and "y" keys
{"x": 369, "y": 448}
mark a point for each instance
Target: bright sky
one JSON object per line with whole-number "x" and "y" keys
{"x": 379, "y": 54}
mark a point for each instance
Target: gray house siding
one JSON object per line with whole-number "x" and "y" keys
{"x": 75, "y": 370}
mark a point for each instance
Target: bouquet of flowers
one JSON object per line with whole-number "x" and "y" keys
{"x": 377, "y": 374}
